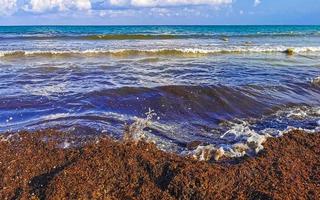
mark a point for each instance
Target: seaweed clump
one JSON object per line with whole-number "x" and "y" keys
{"x": 35, "y": 166}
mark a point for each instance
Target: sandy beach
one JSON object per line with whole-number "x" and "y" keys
{"x": 46, "y": 165}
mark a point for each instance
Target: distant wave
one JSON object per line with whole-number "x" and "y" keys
{"x": 187, "y": 52}
{"x": 102, "y": 37}
{"x": 132, "y": 37}
{"x": 278, "y": 34}
{"x": 194, "y": 36}
{"x": 157, "y": 36}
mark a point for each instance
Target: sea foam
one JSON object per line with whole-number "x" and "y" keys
{"x": 161, "y": 51}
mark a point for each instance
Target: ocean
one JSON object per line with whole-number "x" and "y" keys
{"x": 221, "y": 85}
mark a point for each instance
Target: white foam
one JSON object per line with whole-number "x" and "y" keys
{"x": 238, "y": 130}
{"x": 46, "y": 90}
{"x": 255, "y": 142}
{"x": 310, "y": 131}
{"x": 247, "y": 138}
{"x": 239, "y": 140}
{"x": 212, "y": 50}
{"x": 135, "y": 131}
{"x": 207, "y": 153}
{"x": 56, "y": 116}
{"x": 301, "y": 112}
{"x": 316, "y": 81}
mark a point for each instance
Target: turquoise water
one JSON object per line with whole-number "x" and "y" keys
{"x": 176, "y": 30}
{"x": 201, "y": 81}
{"x": 168, "y": 40}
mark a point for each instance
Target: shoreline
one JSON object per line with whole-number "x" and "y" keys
{"x": 37, "y": 166}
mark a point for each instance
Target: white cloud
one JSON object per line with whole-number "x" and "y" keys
{"x": 61, "y": 5}
{"x": 7, "y": 6}
{"x": 83, "y": 4}
{"x": 155, "y": 3}
{"x": 119, "y": 13}
{"x": 257, "y": 2}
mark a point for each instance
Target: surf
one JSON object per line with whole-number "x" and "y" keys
{"x": 183, "y": 52}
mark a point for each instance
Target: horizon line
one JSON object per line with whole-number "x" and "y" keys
{"x": 160, "y": 25}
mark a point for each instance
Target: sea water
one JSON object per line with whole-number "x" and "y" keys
{"x": 221, "y": 85}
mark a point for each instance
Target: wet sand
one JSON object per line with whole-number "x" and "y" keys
{"x": 34, "y": 166}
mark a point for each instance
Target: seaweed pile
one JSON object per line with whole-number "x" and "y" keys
{"x": 53, "y": 165}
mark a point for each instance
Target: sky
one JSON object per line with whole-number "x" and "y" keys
{"x": 159, "y": 12}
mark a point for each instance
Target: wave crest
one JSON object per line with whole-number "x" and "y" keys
{"x": 158, "y": 52}
{"x": 131, "y": 37}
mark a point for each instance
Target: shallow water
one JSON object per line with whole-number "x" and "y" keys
{"x": 201, "y": 81}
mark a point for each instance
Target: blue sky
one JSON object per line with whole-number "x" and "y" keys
{"x": 131, "y": 12}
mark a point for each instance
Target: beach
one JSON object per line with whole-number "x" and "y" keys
{"x": 36, "y": 166}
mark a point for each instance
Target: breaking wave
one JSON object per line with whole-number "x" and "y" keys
{"x": 178, "y": 115}
{"x": 238, "y": 137}
{"x": 165, "y": 36}
{"x": 132, "y": 37}
{"x": 160, "y": 52}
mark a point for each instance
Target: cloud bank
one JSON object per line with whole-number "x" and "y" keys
{"x": 42, "y": 6}
{"x": 60, "y": 5}
{"x": 164, "y": 3}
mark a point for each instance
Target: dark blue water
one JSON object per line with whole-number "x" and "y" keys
{"x": 200, "y": 81}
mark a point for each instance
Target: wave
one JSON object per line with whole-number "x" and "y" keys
{"x": 106, "y": 37}
{"x": 277, "y": 34}
{"x": 158, "y": 36}
{"x": 191, "y": 36}
{"x": 184, "y": 113}
{"x": 103, "y": 37}
{"x": 132, "y": 37}
{"x": 209, "y": 102}
{"x": 200, "y": 104}
{"x": 161, "y": 52}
